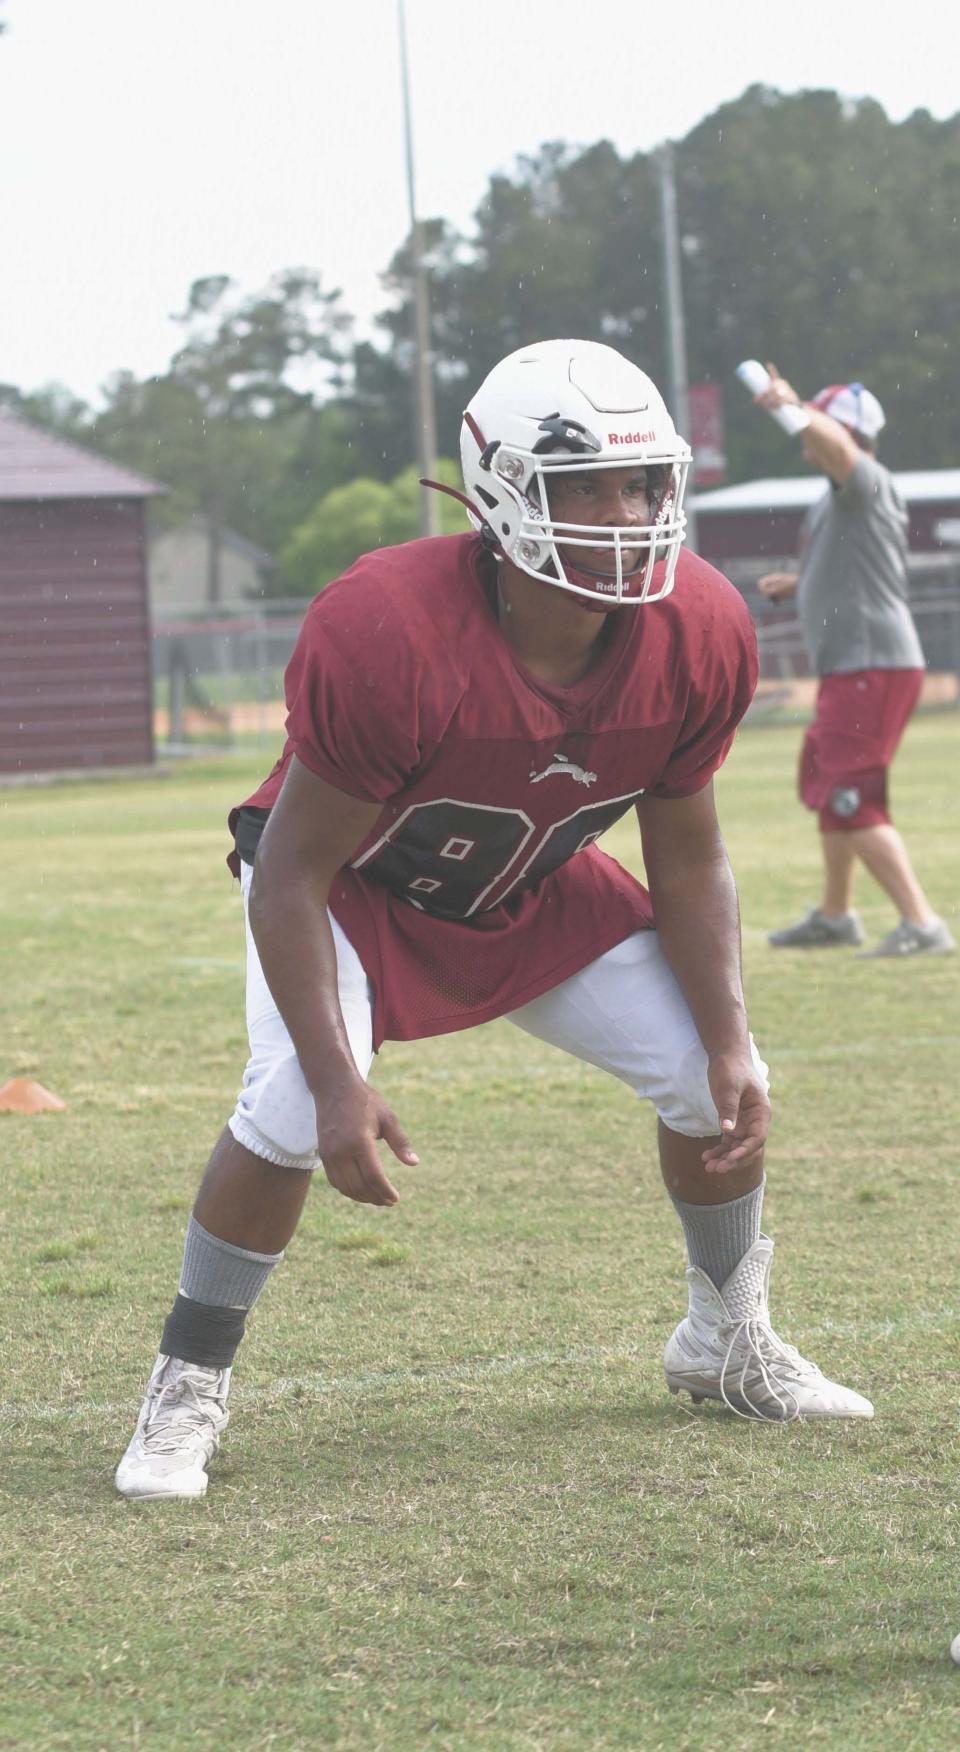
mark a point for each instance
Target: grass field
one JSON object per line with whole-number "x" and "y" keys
{"x": 456, "y": 1506}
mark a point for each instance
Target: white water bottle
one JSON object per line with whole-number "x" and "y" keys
{"x": 756, "y": 378}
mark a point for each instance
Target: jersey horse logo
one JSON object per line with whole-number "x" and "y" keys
{"x": 560, "y": 764}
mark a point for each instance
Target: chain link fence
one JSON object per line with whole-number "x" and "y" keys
{"x": 218, "y": 674}
{"x": 785, "y": 678}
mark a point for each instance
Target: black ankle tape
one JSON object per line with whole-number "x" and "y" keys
{"x": 199, "y": 1333}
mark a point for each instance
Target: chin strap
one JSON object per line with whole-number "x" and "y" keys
{"x": 587, "y": 580}
{"x": 490, "y": 540}
{"x": 452, "y": 493}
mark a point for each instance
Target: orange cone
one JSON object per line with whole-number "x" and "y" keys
{"x": 23, "y": 1095}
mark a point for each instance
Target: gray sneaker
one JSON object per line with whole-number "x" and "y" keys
{"x": 816, "y": 931}
{"x": 908, "y": 939}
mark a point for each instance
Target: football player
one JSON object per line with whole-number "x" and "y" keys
{"x": 466, "y": 716}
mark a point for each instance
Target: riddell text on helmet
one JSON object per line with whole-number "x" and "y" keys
{"x": 630, "y": 437}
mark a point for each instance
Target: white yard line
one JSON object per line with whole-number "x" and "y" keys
{"x": 346, "y": 1386}
{"x": 469, "y": 1370}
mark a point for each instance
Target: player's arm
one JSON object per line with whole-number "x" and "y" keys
{"x": 312, "y": 832}
{"x": 777, "y": 586}
{"x": 828, "y": 443}
{"x": 697, "y": 916}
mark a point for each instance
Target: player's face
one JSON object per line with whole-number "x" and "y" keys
{"x": 604, "y": 497}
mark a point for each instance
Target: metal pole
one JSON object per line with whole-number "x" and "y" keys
{"x": 673, "y": 288}
{"x": 426, "y": 426}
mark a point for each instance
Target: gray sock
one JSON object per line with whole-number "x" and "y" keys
{"x": 718, "y": 1235}
{"x": 219, "y": 1274}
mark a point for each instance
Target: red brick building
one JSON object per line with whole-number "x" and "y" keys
{"x": 75, "y": 688}
{"x": 754, "y": 528}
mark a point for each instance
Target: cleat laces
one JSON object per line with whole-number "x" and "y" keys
{"x": 768, "y": 1356}
{"x": 180, "y": 1408}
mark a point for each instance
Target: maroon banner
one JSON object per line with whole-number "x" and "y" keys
{"x": 706, "y": 434}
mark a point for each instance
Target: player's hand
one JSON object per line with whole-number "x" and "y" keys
{"x": 744, "y": 1114}
{"x": 350, "y": 1120}
{"x": 777, "y": 585}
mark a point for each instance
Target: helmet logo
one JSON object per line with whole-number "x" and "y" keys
{"x": 560, "y": 764}
{"x": 631, "y": 437}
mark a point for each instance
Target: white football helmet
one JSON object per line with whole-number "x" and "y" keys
{"x": 560, "y": 407}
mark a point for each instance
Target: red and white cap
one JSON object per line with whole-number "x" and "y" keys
{"x": 853, "y": 406}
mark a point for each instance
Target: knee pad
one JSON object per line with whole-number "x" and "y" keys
{"x": 690, "y": 1108}
{"x": 275, "y": 1115}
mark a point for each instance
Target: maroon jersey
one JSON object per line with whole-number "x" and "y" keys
{"x": 480, "y": 886}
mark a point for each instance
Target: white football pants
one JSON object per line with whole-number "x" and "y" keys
{"x": 624, "y": 1012}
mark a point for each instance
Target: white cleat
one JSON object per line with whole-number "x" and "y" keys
{"x": 726, "y": 1349}
{"x": 183, "y": 1416}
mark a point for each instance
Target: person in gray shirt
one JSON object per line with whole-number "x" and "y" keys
{"x": 853, "y": 606}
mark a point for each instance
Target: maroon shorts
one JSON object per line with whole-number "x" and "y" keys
{"x": 861, "y": 716}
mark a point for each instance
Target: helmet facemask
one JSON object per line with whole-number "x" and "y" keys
{"x": 643, "y": 555}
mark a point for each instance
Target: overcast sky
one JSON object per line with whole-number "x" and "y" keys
{"x": 145, "y": 144}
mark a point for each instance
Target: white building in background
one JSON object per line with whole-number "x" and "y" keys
{"x": 189, "y": 568}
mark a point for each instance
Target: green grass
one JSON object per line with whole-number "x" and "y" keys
{"x": 456, "y": 1507}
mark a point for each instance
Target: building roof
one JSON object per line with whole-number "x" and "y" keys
{"x": 796, "y": 492}
{"x": 35, "y": 465}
